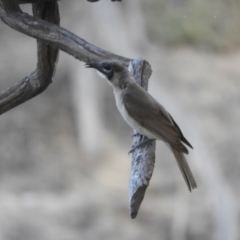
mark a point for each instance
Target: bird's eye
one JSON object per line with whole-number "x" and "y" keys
{"x": 107, "y": 68}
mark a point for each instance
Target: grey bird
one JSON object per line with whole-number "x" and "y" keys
{"x": 144, "y": 114}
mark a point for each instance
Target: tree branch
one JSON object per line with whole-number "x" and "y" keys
{"x": 38, "y": 1}
{"x": 98, "y": 0}
{"x": 50, "y": 34}
{"x": 54, "y": 35}
{"x": 34, "y": 1}
{"x": 50, "y": 37}
{"x": 143, "y": 158}
{"x": 39, "y": 80}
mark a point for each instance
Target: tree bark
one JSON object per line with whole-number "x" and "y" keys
{"x": 44, "y": 26}
{"x": 34, "y": 1}
{"x": 143, "y": 158}
{"x": 39, "y": 79}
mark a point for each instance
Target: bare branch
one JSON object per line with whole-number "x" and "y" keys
{"x": 39, "y": 80}
{"x": 143, "y": 158}
{"x": 98, "y": 0}
{"x": 53, "y": 35}
{"x": 34, "y": 1}
{"x": 38, "y": 1}
{"x": 50, "y": 34}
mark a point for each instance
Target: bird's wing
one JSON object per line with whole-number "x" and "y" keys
{"x": 149, "y": 113}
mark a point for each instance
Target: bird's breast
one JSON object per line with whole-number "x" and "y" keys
{"x": 133, "y": 123}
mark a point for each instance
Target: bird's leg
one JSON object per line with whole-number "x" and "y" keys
{"x": 140, "y": 144}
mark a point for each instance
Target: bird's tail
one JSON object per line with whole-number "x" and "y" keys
{"x": 185, "y": 170}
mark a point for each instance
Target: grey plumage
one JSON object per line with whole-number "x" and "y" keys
{"x": 144, "y": 114}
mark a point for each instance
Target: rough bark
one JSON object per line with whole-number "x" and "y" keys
{"x": 39, "y": 79}
{"x": 143, "y": 158}
{"x": 51, "y": 34}
{"x": 44, "y": 26}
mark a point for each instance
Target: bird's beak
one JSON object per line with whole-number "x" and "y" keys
{"x": 95, "y": 65}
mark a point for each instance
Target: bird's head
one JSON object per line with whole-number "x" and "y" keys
{"x": 114, "y": 71}
{"x": 107, "y": 68}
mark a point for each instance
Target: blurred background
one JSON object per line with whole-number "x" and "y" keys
{"x": 64, "y": 167}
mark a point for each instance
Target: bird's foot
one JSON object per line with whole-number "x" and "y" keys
{"x": 136, "y": 134}
{"x": 140, "y": 145}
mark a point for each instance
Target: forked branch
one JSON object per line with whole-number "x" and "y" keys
{"x": 39, "y": 79}
{"x": 44, "y": 26}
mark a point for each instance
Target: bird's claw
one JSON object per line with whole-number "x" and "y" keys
{"x": 140, "y": 145}
{"x": 135, "y": 135}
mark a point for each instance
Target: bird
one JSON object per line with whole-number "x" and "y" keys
{"x": 145, "y": 114}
